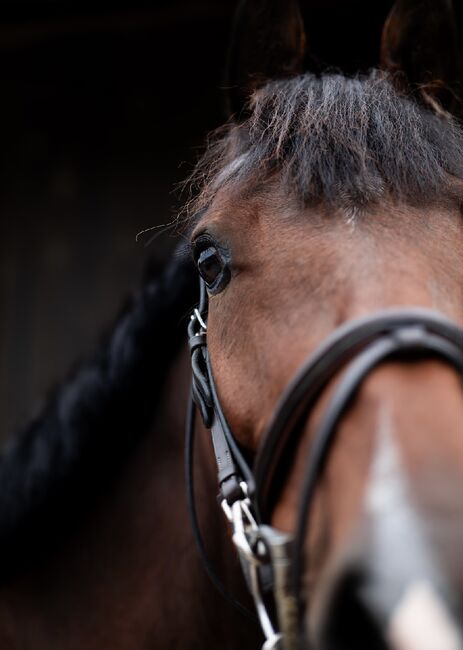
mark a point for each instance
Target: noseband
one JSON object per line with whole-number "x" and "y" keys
{"x": 273, "y": 561}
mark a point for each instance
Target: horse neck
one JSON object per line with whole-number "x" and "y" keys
{"x": 130, "y": 577}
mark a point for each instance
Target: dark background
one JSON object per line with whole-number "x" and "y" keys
{"x": 104, "y": 108}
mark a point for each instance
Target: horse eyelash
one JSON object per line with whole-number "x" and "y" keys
{"x": 202, "y": 241}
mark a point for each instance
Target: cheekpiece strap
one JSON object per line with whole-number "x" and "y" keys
{"x": 204, "y": 396}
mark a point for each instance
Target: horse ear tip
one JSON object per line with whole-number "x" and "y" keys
{"x": 266, "y": 38}
{"x": 422, "y": 54}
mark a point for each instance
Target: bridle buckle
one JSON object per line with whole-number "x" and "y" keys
{"x": 253, "y": 553}
{"x": 197, "y": 318}
{"x": 245, "y": 529}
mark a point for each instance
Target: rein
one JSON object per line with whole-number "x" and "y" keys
{"x": 273, "y": 561}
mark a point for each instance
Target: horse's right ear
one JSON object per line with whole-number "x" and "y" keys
{"x": 420, "y": 47}
{"x": 267, "y": 42}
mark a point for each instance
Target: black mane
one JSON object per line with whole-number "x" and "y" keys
{"x": 51, "y": 471}
{"x": 348, "y": 141}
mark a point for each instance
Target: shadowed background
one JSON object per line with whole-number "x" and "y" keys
{"x": 104, "y": 109}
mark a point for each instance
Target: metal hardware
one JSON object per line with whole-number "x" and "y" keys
{"x": 199, "y": 318}
{"x": 280, "y": 548}
{"x": 273, "y": 640}
{"x": 247, "y": 539}
{"x": 245, "y": 528}
{"x": 274, "y": 643}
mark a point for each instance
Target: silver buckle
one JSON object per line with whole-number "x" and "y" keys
{"x": 246, "y": 537}
{"x": 196, "y": 315}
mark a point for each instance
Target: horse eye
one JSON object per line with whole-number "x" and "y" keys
{"x": 210, "y": 265}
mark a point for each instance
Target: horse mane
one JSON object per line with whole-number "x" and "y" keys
{"x": 346, "y": 142}
{"x": 52, "y": 470}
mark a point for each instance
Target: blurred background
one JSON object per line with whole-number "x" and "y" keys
{"x": 104, "y": 109}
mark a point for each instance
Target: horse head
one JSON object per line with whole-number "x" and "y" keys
{"x": 326, "y": 199}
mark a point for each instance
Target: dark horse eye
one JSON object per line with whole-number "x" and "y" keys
{"x": 210, "y": 266}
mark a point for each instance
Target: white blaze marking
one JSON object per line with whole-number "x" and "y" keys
{"x": 403, "y": 568}
{"x": 386, "y": 484}
{"x": 421, "y": 621}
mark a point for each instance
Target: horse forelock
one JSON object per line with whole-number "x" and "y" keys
{"x": 349, "y": 142}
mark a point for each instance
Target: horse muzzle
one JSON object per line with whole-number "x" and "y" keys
{"x": 372, "y": 607}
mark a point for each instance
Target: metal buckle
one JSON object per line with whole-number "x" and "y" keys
{"x": 196, "y": 315}
{"x": 245, "y": 529}
{"x": 247, "y": 539}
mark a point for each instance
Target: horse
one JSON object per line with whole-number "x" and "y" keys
{"x": 326, "y": 213}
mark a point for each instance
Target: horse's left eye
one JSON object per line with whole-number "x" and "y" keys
{"x": 210, "y": 266}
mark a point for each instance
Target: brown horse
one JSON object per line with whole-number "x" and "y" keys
{"x": 325, "y": 199}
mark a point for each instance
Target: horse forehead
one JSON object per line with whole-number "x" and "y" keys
{"x": 272, "y": 204}
{"x": 268, "y": 207}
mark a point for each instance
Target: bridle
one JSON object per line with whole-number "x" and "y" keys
{"x": 272, "y": 561}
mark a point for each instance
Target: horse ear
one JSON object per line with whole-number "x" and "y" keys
{"x": 420, "y": 46}
{"x": 267, "y": 42}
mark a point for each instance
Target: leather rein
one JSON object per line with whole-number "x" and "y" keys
{"x": 272, "y": 561}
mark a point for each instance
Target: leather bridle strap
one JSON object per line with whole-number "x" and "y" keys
{"x": 232, "y": 468}
{"x": 381, "y": 337}
{"x": 236, "y": 481}
{"x": 233, "y": 474}
{"x": 194, "y": 520}
{"x": 330, "y": 357}
{"x": 231, "y": 464}
{"x": 377, "y": 352}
